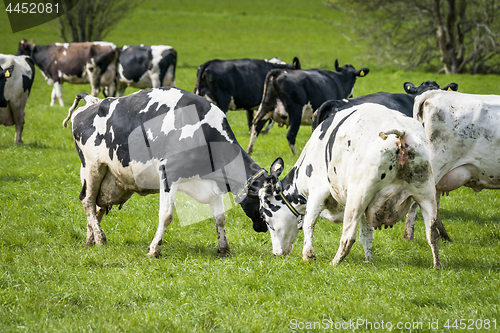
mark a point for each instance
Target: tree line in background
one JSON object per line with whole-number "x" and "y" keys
{"x": 462, "y": 34}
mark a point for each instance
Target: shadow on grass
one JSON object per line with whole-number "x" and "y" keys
{"x": 465, "y": 215}
{"x": 17, "y": 178}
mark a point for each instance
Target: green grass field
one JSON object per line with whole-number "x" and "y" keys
{"x": 51, "y": 282}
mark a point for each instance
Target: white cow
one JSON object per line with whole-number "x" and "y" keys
{"x": 16, "y": 80}
{"x": 463, "y": 140}
{"x": 362, "y": 165}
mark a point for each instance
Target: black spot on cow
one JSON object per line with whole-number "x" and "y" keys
{"x": 335, "y": 170}
{"x": 83, "y": 193}
{"x": 331, "y": 139}
{"x": 348, "y": 143}
{"x": 383, "y": 176}
{"x": 390, "y": 167}
{"x": 309, "y": 170}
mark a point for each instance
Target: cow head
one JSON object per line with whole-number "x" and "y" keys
{"x": 5, "y": 74}
{"x": 427, "y": 85}
{"x": 25, "y": 48}
{"x": 97, "y": 66}
{"x": 248, "y": 198}
{"x": 282, "y": 222}
{"x": 350, "y": 74}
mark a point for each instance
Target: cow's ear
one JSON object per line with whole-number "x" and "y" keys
{"x": 451, "y": 87}
{"x": 410, "y": 88}
{"x": 277, "y": 168}
{"x": 8, "y": 71}
{"x": 296, "y": 63}
{"x": 362, "y": 72}
{"x": 337, "y": 65}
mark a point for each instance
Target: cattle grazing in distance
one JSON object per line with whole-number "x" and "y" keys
{"x": 360, "y": 167}
{"x": 17, "y": 74}
{"x": 290, "y": 97}
{"x": 67, "y": 63}
{"x": 238, "y": 83}
{"x": 398, "y": 102}
{"x": 463, "y": 140}
{"x": 139, "y": 67}
{"x": 161, "y": 140}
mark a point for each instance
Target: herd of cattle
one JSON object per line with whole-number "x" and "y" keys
{"x": 370, "y": 159}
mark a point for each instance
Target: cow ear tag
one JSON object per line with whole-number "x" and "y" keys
{"x": 362, "y": 73}
{"x": 407, "y": 87}
{"x": 449, "y": 89}
{"x": 7, "y": 74}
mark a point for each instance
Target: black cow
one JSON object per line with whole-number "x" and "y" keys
{"x": 290, "y": 97}
{"x": 161, "y": 140}
{"x": 139, "y": 67}
{"x": 67, "y": 63}
{"x": 399, "y": 102}
{"x": 236, "y": 84}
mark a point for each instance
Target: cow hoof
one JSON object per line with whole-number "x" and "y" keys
{"x": 309, "y": 257}
{"x": 154, "y": 254}
{"x": 224, "y": 252}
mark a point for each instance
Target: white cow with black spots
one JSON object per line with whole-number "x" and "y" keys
{"x": 363, "y": 166}
{"x": 463, "y": 140}
{"x": 161, "y": 140}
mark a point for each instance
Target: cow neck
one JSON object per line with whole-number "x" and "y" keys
{"x": 41, "y": 57}
{"x": 288, "y": 193}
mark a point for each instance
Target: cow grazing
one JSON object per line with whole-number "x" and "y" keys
{"x": 16, "y": 78}
{"x": 361, "y": 166}
{"x": 290, "y": 97}
{"x": 236, "y": 84}
{"x": 161, "y": 140}
{"x": 139, "y": 67}
{"x": 462, "y": 135}
{"x": 67, "y": 63}
{"x": 398, "y": 102}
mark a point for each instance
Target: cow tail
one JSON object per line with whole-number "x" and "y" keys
{"x": 86, "y": 97}
{"x": 399, "y": 134}
{"x": 199, "y": 74}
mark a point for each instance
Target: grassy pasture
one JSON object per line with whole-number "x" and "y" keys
{"x": 51, "y": 282}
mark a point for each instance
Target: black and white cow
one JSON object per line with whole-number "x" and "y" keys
{"x": 139, "y": 67}
{"x": 361, "y": 166}
{"x": 161, "y": 140}
{"x": 290, "y": 97}
{"x": 238, "y": 83}
{"x": 398, "y": 102}
{"x": 463, "y": 140}
{"x": 67, "y": 63}
{"x": 16, "y": 78}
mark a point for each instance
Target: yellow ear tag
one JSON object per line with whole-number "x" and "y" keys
{"x": 408, "y": 87}
{"x": 449, "y": 89}
{"x": 7, "y": 74}
{"x": 362, "y": 73}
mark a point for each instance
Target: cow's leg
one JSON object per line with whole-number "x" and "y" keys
{"x": 57, "y": 92}
{"x": 121, "y": 87}
{"x": 249, "y": 118}
{"x": 352, "y": 215}
{"x": 166, "y": 215}
{"x": 366, "y": 232}
{"x": 291, "y": 135}
{"x": 410, "y": 222}
{"x": 155, "y": 79}
{"x": 17, "y": 110}
{"x": 313, "y": 210}
{"x": 91, "y": 187}
{"x": 429, "y": 213}
{"x": 217, "y": 208}
{"x": 439, "y": 223}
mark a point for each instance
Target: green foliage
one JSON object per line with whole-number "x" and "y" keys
{"x": 51, "y": 282}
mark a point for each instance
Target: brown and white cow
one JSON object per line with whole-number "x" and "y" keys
{"x": 16, "y": 78}
{"x": 463, "y": 140}
{"x": 361, "y": 166}
{"x": 67, "y": 63}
